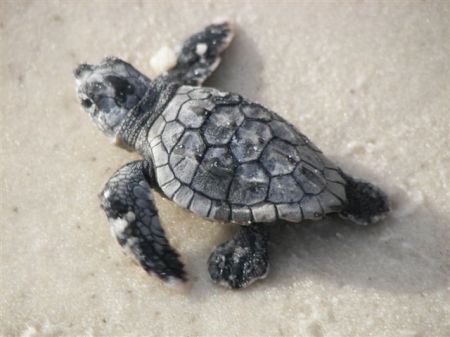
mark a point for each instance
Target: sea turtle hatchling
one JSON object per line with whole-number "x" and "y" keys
{"x": 216, "y": 153}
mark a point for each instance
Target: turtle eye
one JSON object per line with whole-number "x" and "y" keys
{"x": 87, "y": 103}
{"x": 122, "y": 87}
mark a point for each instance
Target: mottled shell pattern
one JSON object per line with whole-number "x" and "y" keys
{"x": 227, "y": 158}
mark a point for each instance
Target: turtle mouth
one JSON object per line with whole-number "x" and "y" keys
{"x": 86, "y": 102}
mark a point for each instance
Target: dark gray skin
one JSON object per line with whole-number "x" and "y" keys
{"x": 215, "y": 153}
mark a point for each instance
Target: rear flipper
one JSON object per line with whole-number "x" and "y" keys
{"x": 242, "y": 260}
{"x": 199, "y": 55}
{"x": 130, "y": 208}
{"x": 367, "y": 204}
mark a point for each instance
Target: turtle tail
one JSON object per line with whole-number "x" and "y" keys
{"x": 366, "y": 203}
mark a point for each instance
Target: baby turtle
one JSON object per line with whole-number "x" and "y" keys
{"x": 216, "y": 153}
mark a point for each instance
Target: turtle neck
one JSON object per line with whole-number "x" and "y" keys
{"x": 133, "y": 130}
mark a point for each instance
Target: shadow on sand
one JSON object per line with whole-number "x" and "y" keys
{"x": 403, "y": 254}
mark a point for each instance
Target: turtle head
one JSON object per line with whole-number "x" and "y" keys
{"x": 108, "y": 91}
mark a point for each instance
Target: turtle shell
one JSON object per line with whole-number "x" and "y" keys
{"x": 227, "y": 158}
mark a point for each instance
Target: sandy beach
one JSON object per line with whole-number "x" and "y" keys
{"x": 367, "y": 81}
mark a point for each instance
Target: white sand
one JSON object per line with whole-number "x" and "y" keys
{"x": 368, "y": 82}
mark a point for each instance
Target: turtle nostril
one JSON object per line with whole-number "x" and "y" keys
{"x": 81, "y": 69}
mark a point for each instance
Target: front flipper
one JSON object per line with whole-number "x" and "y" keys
{"x": 130, "y": 208}
{"x": 199, "y": 55}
